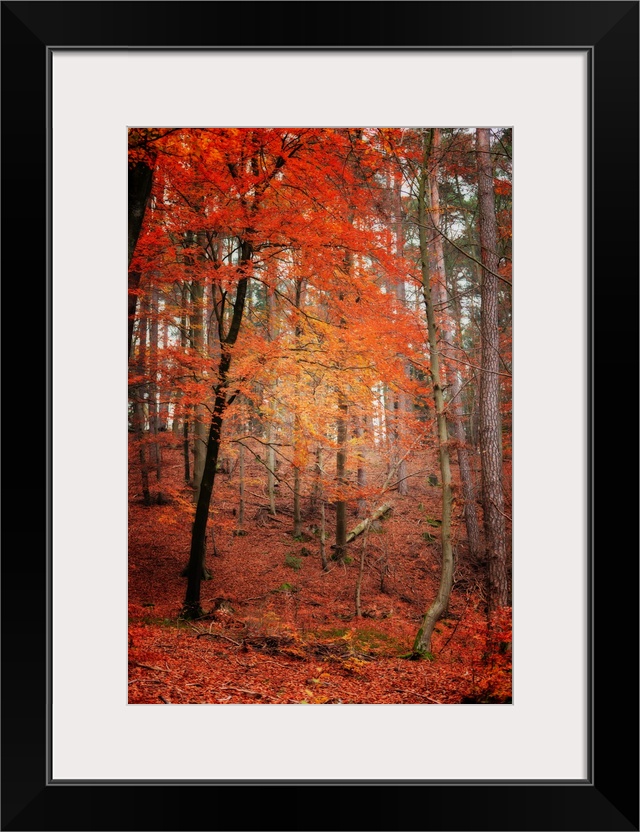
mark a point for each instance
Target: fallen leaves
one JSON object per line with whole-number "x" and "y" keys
{"x": 262, "y": 644}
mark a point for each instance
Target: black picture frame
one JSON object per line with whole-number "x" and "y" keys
{"x": 608, "y": 799}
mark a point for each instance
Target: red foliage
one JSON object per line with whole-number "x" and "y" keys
{"x": 312, "y": 220}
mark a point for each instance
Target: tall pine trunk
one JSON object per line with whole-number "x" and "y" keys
{"x": 403, "y": 403}
{"x": 455, "y": 385}
{"x": 422, "y": 643}
{"x": 490, "y": 423}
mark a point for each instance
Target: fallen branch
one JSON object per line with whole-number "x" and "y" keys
{"x": 219, "y": 635}
{"x": 365, "y": 524}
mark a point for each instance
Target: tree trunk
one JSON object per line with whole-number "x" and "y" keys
{"x": 134, "y": 283}
{"x": 271, "y": 454}
{"x": 197, "y": 554}
{"x": 472, "y": 421}
{"x": 271, "y": 468}
{"x": 199, "y": 424}
{"x": 390, "y": 427}
{"x": 153, "y": 383}
{"x": 139, "y": 396}
{"x": 464, "y": 461}
{"x": 366, "y": 523}
{"x": 422, "y": 643}
{"x": 342, "y": 436}
{"x": 455, "y": 386}
{"x": 363, "y": 550}
{"x": 184, "y": 343}
{"x": 297, "y": 519}
{"x": 163, "y": 391}
{"x": 140, "y": 182}
{"x": 142, "y": 451}
{"x": 241, "y": 506}
{"x": 315, "y": 492}
{"x": 341, "y": 465}
{"x": 323, "y": 537}
{"x": 402, "y": 401}
{"x": 361, "y": 473}
{"x": 466, "y": 479}
{"x": 490, "y": 427}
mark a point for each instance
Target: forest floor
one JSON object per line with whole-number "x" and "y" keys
{"x": 279, "y": 630}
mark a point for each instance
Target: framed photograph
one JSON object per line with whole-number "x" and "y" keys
{"x": 86, "y": 746}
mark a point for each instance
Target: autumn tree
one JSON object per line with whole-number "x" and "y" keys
{"x": 280, "y": 196}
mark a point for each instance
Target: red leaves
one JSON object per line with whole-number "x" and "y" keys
{"x": 284, "y": 635}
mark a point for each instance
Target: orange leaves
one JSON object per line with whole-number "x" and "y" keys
{"x": 502, "y": 187}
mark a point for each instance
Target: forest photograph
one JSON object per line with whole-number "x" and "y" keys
{"x": 319, "y": 415}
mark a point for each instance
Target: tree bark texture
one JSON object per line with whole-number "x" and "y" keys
{"x": 422, "y": 643}
{"x": 490, "y": 422}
